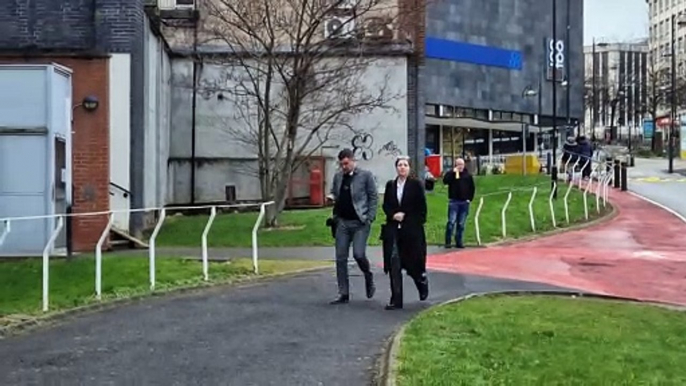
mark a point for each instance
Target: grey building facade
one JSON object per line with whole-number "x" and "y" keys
{"x": 482, "y": 56}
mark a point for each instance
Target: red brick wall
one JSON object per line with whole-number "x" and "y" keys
{"x": 90, "y": 144}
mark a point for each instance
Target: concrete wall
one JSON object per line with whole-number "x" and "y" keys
{"x": 520, "y": 25}
{"x": 222, "y": 159}
{"x": 157, "y": 124}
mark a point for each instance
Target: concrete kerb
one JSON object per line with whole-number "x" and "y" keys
{"x": 54, "y": 318}
{"x": 388, "y": 364}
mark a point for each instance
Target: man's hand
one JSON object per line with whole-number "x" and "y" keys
{"x": 399, "y": 217}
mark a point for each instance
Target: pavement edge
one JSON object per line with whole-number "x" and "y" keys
{"x": 52, "y": 319}
{"x": 388, "y": 363}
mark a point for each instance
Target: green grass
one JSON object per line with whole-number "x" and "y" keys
{"x": 306, "y": 227}
{"x": 543, "y": 340}
{"x": 72, "y": 282}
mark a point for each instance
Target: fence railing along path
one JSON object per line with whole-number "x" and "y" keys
{"x": 49, "y": 246}
{"x": 599, "y": 171}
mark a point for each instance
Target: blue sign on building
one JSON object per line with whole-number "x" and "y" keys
{"x": 648, "y": 128}
{"x": 456, "y": 51}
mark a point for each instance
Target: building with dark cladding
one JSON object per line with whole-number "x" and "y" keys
{"x": 485, "y": 60}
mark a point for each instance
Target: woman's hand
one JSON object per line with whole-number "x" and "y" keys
{"x": 399, "y": 217}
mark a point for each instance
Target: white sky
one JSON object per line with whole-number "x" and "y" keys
{"x": 615, "y": 20}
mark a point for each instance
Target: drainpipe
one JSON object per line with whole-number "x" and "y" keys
{"x": 194, "y": 106}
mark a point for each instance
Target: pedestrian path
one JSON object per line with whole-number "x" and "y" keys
{"x": 641, "y": 254}
{"x": 281, "y": 332}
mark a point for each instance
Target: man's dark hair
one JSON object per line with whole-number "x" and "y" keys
{"x": 346, "y": 153}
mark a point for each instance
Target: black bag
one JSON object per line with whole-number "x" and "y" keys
{"x": 331, "y": 223}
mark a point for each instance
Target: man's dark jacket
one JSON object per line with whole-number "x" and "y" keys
{"x": 460, "y": 189}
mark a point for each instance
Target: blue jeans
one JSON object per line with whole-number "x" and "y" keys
{"x": 457, "y": 217}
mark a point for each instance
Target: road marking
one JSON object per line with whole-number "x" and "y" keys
{"x": 657, "y": 179}
{"x": 668, "y": 209}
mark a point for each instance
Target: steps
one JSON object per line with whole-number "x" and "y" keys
{"x": 121, "y": 239}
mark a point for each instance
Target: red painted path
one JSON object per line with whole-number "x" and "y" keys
{"x": 639, "y": 254}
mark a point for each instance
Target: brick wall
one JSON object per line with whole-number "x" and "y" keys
{"x": 90, "y": 144}
{"x": 70, "y": 25}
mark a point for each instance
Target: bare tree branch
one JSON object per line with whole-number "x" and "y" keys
{"x": 295, "y": 73}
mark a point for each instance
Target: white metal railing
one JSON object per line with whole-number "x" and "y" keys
{"x": 531, "y": 209}
{"x": 598, "y": 169}
{"x": 7, "y": 227}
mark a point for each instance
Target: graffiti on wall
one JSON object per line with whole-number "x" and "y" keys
{"x": 362, "y": 146}
{"x": 390, "y": 149}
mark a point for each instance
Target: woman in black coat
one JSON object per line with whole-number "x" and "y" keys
{"x": 404, "y": 240}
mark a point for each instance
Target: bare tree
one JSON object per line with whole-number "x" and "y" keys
{"x": 654, "y": 86}
{"x": 295, "y": 74}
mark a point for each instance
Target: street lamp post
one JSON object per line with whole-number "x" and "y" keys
{"x": 531, "y": 92}
{"x": 673, "y": 101}
{"x": 593, "y": 100}
{"x": 567, "y": 68}
{"x": 553, "y": 174}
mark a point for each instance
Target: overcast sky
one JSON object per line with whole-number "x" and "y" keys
{"x": 615, "y": 20}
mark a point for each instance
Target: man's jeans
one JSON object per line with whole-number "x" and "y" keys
{"x": 457, "y": 217}
{"x": 357, "y": 233}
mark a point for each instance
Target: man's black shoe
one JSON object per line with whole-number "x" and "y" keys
{"x": 369, "y": 285}
{"x": 423, "y": 290}
{"x": 447, "y": 246}
{"x": 391, "y": 306}
{"x": 341, "y": 299}
{"x": 459, "y": 246}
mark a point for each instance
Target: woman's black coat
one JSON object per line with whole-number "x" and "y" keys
{"x": 410, "y": 237}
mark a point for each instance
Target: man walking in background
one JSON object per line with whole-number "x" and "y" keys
{"x": 355, "y": 201}
{"x": 461, "y": 192}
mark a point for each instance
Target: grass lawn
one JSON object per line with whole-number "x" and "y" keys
{"x": 543, "y": 340}
{"x": 72, "y": 282}
{"x": 306, "y": 227}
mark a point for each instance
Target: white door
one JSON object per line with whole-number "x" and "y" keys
{"x": 23, "y": 192}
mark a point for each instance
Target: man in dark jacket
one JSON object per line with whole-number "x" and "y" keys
{"x": 355, "y": 197}
{"x": 585, "y": 150}
{"x": 460, "y": 194}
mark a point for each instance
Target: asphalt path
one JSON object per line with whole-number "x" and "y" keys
{"x": 278, "y": 332}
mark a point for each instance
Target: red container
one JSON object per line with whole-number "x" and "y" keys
{"x": 316, "y": 191}
{"x": 434, "y": 163}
